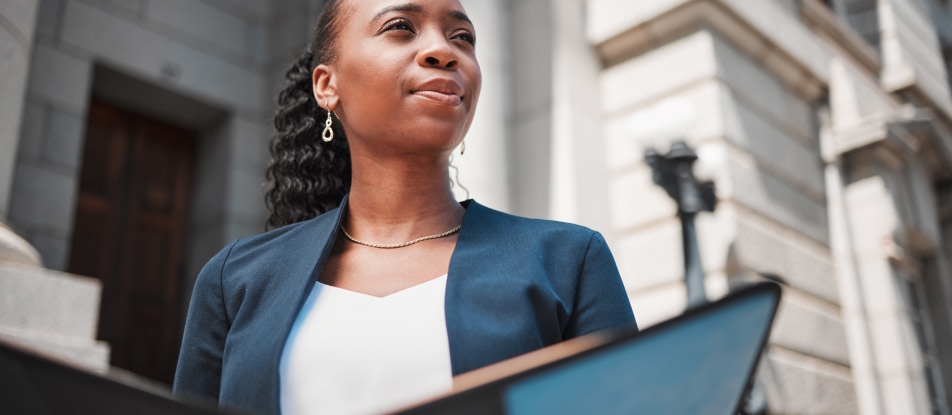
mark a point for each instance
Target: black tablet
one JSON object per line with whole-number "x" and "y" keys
{"x": 698, "y": 363}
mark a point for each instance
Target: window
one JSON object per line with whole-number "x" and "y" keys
{"x": 915, "y": 301}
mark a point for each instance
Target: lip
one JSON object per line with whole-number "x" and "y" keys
{"x": 442, "y": 91}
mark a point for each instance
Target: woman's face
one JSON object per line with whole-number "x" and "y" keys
{"x": 405, "y": 76}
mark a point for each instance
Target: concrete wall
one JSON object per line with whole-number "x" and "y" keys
{"x": 17, "y": 20}
{"x": 46, "y": 312}
{"x": 185, "y": 58}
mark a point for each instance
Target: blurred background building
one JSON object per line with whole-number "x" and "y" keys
{"x": 133, "y": 141}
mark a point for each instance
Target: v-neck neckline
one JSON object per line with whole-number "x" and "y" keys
{"x": 388, "y": 296}
{"x": 339, "y": 218}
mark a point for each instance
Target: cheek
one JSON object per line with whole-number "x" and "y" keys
{"x": 477, "y": 81}
{"x": 371, "y": 96}
{"x": 368, "y": 85}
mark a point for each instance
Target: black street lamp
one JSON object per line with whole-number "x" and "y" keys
{"x": 675, "y": 173}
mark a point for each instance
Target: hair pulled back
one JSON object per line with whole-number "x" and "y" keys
{"x": 306, "y": 176}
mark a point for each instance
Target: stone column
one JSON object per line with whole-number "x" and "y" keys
{"x": 484, "y": 169}
{"x": 17, "y": 19}
{"x": 579, "y": 182}
{"x": 892, "y": 236}
{"x": 44, "y": 311}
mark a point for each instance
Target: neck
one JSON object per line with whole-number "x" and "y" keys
{"x": 400, "y": 199}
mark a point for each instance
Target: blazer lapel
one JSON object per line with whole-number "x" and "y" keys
{"x": 493, "y": 292}
{"x": 301, "y": 269}
{"x": 464, "y": 271}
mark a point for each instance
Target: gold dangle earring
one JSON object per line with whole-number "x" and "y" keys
{"x": 328, "y": 133}
{"x": 462, "y": 148}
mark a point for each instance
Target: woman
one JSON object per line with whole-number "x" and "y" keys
{"x": 377, "y": 286}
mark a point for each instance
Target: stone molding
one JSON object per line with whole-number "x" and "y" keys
{"x": 934, "y": 138}
{"x": 819, "y": 17}
{"x": 788, "y": 57}
{"x": 893, "y": 141}
{"x": 15, "y": 249}
{"x": 912, "y": 135}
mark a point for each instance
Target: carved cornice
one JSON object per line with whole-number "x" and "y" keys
{"x": 806, "y": 77}
{"x": 822, "y": 20}
{"x": 934, "y": 140}
{"x": 913, "y": 136}
{"x": 880, "y": 132}
{"x": 893, "y": 143}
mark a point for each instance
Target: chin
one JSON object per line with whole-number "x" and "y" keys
{"x": 441, "y": 126}
{"x": 437, "y": 142}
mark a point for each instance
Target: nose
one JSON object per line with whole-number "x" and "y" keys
{"x": 438, "y": 52}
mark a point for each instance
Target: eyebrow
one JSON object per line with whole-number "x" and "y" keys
{"x": 407, "y": 7}
{"x": 458, "y": 15}
{"x": 416, "y": 8}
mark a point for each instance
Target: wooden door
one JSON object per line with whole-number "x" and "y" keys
{"x": 129, "y": 232}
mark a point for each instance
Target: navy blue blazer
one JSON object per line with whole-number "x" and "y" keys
{"x": 514, "y": 285}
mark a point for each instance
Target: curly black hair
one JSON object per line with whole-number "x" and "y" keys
{"x": 306, "y": 176}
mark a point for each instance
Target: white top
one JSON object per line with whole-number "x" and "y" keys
{"x": 353, "y": 353}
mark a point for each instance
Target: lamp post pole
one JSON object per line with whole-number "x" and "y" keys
{"x": 674, "y": 172}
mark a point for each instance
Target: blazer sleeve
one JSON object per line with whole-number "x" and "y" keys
{"x": 601, "y": 301}
{"x": 200, "y": 361}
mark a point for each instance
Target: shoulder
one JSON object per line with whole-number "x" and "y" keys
{"x": 288, "y": 239}
{"x": 299, "y": 240}
{"x": 516, "y": 242}
{"x": 498, "y": 224}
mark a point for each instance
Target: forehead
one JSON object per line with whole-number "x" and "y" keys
{"x": 366, "y": 10}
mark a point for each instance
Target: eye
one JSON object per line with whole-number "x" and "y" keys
{"x": 398, "y": 24}
{"x": 466, "y": 37}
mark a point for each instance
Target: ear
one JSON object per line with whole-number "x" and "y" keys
{"x": 324, "y": 83}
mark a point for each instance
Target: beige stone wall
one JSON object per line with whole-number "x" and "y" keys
{"x": 892, "y": 276}
{"x": 771, "y": 216}
{"x": 912, "y": 53}
{"x": 766, "y": 80}
{"x": 484, "y": 169}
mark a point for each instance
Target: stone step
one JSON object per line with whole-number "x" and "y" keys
{"x": 87, "y": 353}
{"x": 52, "y": 313}
{"x": 39, "y": 300}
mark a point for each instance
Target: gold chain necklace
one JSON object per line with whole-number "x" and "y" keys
{"x": 408, "y": 243}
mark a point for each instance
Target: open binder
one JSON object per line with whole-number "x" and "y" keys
{"x": 700, "y": 362}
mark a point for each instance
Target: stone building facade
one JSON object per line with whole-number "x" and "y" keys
{"x": 827, "y": 126}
